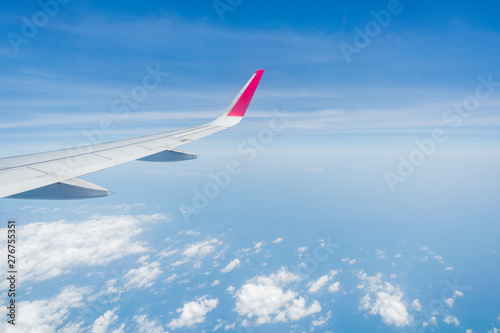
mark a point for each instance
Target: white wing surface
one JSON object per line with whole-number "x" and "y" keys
{"x": 53, "y": 175}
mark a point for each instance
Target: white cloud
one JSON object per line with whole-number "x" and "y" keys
{"x": 143, "y": 277}
{"x": 230, "y": 327}
{"x": 416, "y": 305}
{"x": 259, "y": 244}
{"x": 449, "y": 301}
{"x": 278, "y": 240}
{"x": 46, "y": 315}
{"x": 302, "y": 249}
{"x": 120, "y": 329}
{"x": 334, "y": 287}
{"x": 349, "y": 261}
{"x": 494, "y": 330}
{"x": 432, "y": 321}
{"x": 220, "y": 323}
{"x": 468, "y": 331}
{"x": 194, "y": 312}
{"x": 232, "y": 265}
{"x": 52, "y": 249}
{"x": 144, "y": 325}
{"x": 458, "y": 293}
{"x": 171, "y": 278}
{"x": 380, "y": 254}
{"x": 200, "y": 249}
{"x": 167, "y": 253}
{"x": 215, "y": 283}
{"x": 398, "y": 255}
{"x": 195, "y": 252}
{"x": 264, "y": 299}
{"x": 102, "y": 323}
{"x": 384, "y": 299}
{"x": 318, "y": 284}
{"x": 449, "y": 319}
{"x": 230, "y": 290}
{"x": 322, "y": 321}
{"x": 315, "y": 286}
{"x": 449, "y": 268}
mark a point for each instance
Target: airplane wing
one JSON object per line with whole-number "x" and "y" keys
{"x": 53, "y": 175}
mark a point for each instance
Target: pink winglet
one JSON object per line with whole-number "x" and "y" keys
{"x": 241, "y": 105}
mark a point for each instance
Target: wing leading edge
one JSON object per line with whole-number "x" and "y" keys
{"x": 53, "y": 175}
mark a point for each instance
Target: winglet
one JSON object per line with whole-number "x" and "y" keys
{"x": 240, "y": 104}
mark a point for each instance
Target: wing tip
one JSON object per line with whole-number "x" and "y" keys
{"x": 240, "y": 107}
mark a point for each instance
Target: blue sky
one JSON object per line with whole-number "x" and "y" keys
{"x": 341, "y": 168}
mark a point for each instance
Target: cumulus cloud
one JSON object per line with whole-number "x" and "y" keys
{"x": 380, "y": 254}
{"x": 143, "y": 277}
{"x": 449, "y": 319}
{"x": 232, "y": 265}
{"x": 315, "y": 286}
{"x": 101, "y": 324}
{"x": 230, "y": 327}
{"x": 432, "y": 321}
{"x": 449, "y": 301}
{"x": 384, "y": 299}
{"x": 201, "y": 249}
{"x": 278, "y": 240}
{"x": 349, "y": 261}
{"x": 52, "y": 249}
{"x": 302, "y": 249}
{"x": 171, "y": 278}
{"x": 144, "y": 325}
{"x": 47, "y": 315}
{"x": 334, "y": 287}
{"x": 416, "y": 305}
{"x": 195, "y": 252}
{"x": 192, "y": 233}
{"x": 265, "y": 300}
{"x": 194, "y": 312}
{"x": 322, "y": 321}
{"x": 259, "y": 245}
{"x": 439, "y": 258}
